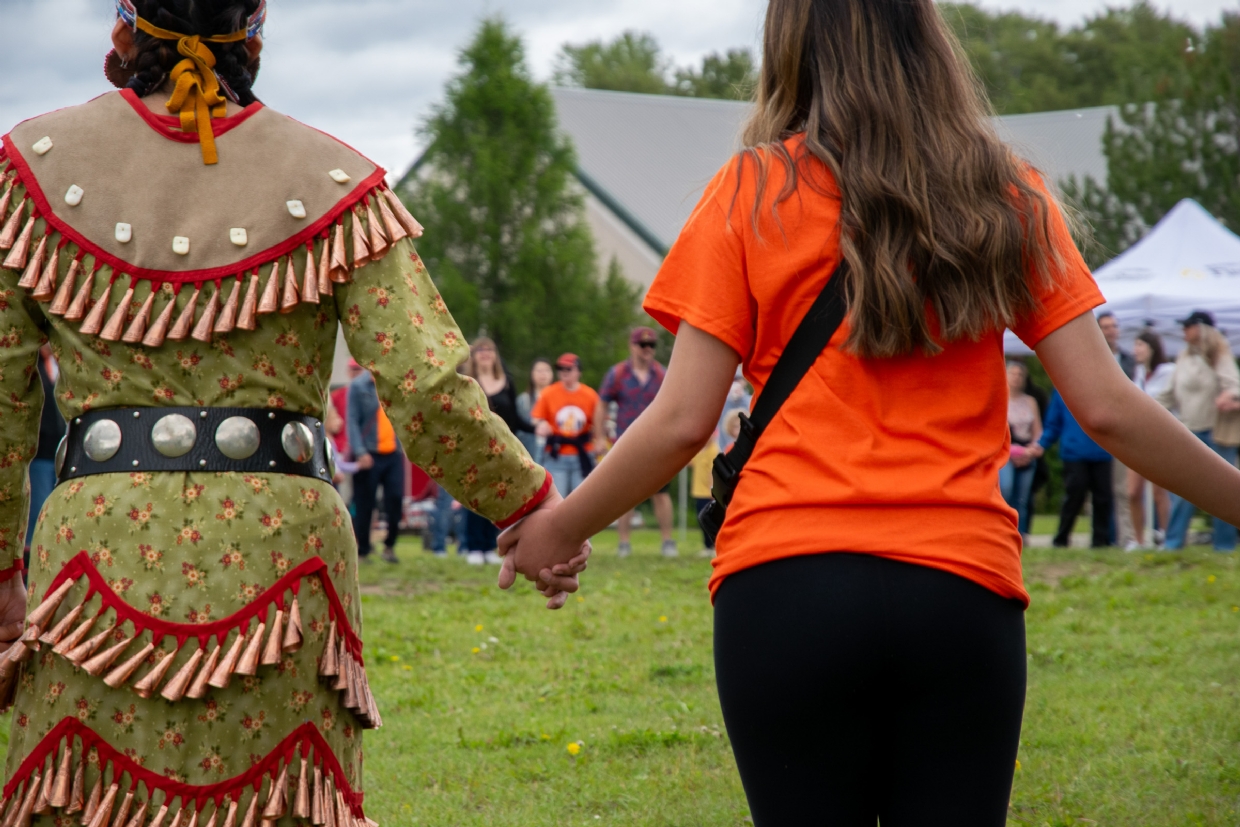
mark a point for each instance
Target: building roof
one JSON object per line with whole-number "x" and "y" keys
{"x": 648, "y": 157}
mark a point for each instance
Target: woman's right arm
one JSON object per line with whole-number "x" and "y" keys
{"x": 1132, "y": 426}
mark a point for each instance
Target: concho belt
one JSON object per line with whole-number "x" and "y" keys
{"x": 244, "y": 440}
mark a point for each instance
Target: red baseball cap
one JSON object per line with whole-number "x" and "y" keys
{"x": 643, "y": 334}
{"x": 568, "y": 360}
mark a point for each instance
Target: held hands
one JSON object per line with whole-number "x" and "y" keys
{"x": 536, "y": 549}
{"x": 365, "y": 462}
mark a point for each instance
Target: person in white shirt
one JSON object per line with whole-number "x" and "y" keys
{"x": 1153, "y": 374}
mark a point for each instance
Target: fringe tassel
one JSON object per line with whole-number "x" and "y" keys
{"x": 206, "y": 322}
{"x": 101, "y": 650}
{"x": 290, "y": 299}
{"x": 186, "y": 320}
{"x": 270, "y": 302}
{"x": 93, "y": 322}
{"x": 340, "y": 265}
{"x": 322, "y": 796}
{"x": 34, "y": 266}
{"x": 403, "y": 215}
{"x": 361, "y": 250}
{"x": 228, "y": 315}
{"x": 310, "y": 281}
{"x": 378, "y": 241}
{"x": 46, "y": 288}
{"x": 248, "y": 318}
{"x": 159, "y": 331}
{"x": 137, "y": 329}
{"x": 325, "y": 268}
{"x": 8, "y": 235}
{"x": 116, "y": 324}
{"x": 64, "y": 293}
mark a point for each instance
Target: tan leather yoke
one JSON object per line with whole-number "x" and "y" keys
{"x": 109, "y": 179}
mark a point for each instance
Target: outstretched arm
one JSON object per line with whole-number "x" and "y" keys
{"x": 1132, "y": 426}
{"x": 663, "y": 440}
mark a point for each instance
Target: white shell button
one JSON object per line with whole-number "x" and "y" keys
{"x": 339, "y": 176}
{"x": 74, "y": 196}
{"x": 124, "y": 232}
{"x": 296, "y": 209}
{"x": 238, "y": 236}
{"x": 180, "y": 245}
{"x": 42, "y": 146}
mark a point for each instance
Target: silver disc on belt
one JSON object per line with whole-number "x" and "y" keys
{"x": 237, "y": 437}
{"x": 61, "y": 450}
{"x": 298, "y": 442}
{"x": 331, "y": 456}
{"x": 174, "y": 435}
{"x": 103, "y": 440}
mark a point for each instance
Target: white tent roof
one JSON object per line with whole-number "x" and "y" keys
{"x": 1188, "y": 261}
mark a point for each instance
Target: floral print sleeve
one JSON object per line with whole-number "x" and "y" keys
{"x": 21, "y": 402}
{"x": 398, "y": 327}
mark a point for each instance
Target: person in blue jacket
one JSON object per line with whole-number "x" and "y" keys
{"x": 1086, "y": 469}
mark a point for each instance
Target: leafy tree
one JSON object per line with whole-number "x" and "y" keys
{"x": 731, "y": 75}
{"x": 507, "y": 239}
{"x": 1184, "y": 143}
{"x": 1028, "y": 64}
{"x": 633, "y": 62}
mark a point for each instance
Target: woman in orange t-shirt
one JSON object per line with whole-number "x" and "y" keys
{"x": 869, "y": 629}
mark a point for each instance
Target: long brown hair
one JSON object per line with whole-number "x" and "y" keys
{"x": 936, "y": 212}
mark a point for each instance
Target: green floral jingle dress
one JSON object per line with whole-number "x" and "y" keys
{"x": 192, "y": 646}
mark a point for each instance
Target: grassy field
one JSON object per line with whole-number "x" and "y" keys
{"x": 501, "y": 713}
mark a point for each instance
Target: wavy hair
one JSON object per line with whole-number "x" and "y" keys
{"x": 937, "y": 215}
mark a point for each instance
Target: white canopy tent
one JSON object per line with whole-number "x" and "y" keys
{"x": 1188, "y": 261}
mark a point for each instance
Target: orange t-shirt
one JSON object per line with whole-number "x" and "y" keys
{"x": 570, "y": 413}
{"x": 895, "y": 457}
{"x": 387, "y": 434}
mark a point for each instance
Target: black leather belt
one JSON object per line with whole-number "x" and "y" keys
{"x": 244, "y": 440}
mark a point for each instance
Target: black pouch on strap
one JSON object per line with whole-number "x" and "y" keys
{"x": 812, "y": 336}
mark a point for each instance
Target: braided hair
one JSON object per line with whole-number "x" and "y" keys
{"x": 156, "y": 58}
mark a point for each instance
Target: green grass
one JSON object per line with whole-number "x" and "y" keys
{"x": 1133, "y": 713}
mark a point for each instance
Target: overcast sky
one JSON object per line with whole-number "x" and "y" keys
{"x": 368, "y": 70}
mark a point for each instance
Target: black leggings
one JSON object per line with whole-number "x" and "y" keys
{"x": 857, "y": 689}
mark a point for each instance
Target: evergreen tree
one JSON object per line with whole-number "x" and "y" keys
{"x": 506, "y": 236}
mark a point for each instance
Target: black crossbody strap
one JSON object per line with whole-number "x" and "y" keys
{"x": 811, "y": 338}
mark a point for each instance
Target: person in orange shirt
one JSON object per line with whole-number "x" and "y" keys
{"x": 869, "y": 627}
{"x": 570, "y": 415}
{"x": 380, "y": 464}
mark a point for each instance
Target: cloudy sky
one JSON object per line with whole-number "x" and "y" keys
{"x": 369, "y": 70}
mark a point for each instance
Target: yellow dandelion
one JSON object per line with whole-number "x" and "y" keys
{"x": 407, "y": 668}
{"x": 1018, "y": 765}
{"x": 545, "y": 737}
{"x": 574, "y": 748}
{"x": 580, "y": 599}
{"x": 478, "y": 628}
{"x": 663, "y": 618}
{"x": 475, "y": 650}
{"x": 1211, "y": 579}
{"x": 395, "y": 658}
{"x": 1235, "y": 608}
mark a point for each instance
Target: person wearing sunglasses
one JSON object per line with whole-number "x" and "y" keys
{"x": 632, "y": 385}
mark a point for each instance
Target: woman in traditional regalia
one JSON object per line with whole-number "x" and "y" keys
{"x": 190, "y": 647}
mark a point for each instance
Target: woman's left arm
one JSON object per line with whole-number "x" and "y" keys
{"x": 657, "y": 446}
{"x": 1037, "y": 420}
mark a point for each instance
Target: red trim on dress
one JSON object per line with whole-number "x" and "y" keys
{"x": 157, "y": 277}
{"x": 81, "y": 564}
{"x": 530, "y": 505}
{"x": 306, "y": 736}
{"x": 169, "y": 126}
{"x": 12, "y": 571}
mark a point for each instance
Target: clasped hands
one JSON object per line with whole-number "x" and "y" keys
{"x": 539, "y": 550}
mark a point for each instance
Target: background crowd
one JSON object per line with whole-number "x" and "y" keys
{"x": 568, "y": 427}
{"x": 1201, "y": 387}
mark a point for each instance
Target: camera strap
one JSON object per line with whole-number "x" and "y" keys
{"x": 812, "y": 336}
{"x": 808, "y": 342}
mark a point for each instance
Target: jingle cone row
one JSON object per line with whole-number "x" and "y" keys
{"x": 302, "y": 784}
{"x": 112, "y": 652}
{"x": 233, "y": 303}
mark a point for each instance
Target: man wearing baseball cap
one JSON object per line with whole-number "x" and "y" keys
{"x": 568, "y": 414}
{"x": 632, "y": 385}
